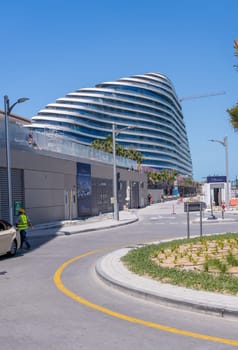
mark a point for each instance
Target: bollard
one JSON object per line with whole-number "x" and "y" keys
{"x": 173, "y": 209}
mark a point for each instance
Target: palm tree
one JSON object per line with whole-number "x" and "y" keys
{"x": 153, "y": 177}
{"x": 234, "y": 117}
{"x": 236, "y": 51}
{"x": 167, "y": 178}
{"x": 135, "y": 155}
{"x": 106, "y": 145}
{"x": 233, "y": 112}
{"x": 97, "y": 144}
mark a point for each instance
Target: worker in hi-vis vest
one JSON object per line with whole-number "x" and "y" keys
{"x": 23, "y": 223}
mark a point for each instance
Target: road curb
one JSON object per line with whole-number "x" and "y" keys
{"x": 117, "y": 276}
{"x": 65, "y": 232}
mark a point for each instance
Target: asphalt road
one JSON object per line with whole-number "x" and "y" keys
{"x": 35, "y": 314}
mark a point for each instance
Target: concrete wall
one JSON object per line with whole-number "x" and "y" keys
{"x": 47, "y": 178}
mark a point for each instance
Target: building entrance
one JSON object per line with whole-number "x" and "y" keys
{"x": 217, "y": 196}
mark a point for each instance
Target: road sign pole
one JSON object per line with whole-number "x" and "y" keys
{"x": 188, "y": 231}
{"x": 200, "y": 219}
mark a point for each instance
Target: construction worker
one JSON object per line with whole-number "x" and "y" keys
{"x": 23, "y": 224}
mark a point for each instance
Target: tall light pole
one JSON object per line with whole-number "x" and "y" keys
{"x": 115, "y": 204}
{"x": 224, "y": 143}
{"x": 114, "y": 133}
{"x": 7, "y": 110}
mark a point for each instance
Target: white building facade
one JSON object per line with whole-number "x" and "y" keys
{"x": 147, "y": 104}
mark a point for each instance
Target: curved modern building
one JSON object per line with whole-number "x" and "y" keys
{"x": 145, "y": 106}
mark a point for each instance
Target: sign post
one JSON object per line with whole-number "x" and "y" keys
{"x": 17, "y": 206}
{"x": 201, "y": 219}
{"x": 193, "y": 206}
{"x": 188, "y": 225}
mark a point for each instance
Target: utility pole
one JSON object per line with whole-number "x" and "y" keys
{"x": 224, "y": 143}
{"x": 7, "y": 111}
{"x": 115, "y": 132}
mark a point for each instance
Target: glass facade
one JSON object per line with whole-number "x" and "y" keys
{"x": 147, "y": 103}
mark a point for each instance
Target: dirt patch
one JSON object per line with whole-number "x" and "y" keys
{"x": 214, "y": 256}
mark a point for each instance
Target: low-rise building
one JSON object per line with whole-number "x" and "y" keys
{"x": 56, "y": 179}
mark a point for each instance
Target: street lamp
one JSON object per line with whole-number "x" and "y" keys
{"x": 224, "y": 143}
{"x": 114, "y": 133}
{"x": 7, "y": 110}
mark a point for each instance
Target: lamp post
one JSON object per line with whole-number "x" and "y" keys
{"x": 114, "y": 133}
{"x": 224, "y": 143}
{"x": 7, "y": 110}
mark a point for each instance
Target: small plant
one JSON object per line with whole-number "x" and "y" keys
{"x": 231, "y": 259}
{"x": 174, "y": 248}
{"x": 186, "y": 251}
{"x": 206, "y": 266}
{"x": 200, "y": 250}
{"x": 154, "y": 255}
{"x": 221, "y": 244}
{"x": 215, "y": 263}
{"x": 223, "y": 267}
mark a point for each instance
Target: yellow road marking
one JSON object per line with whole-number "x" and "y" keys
{"x": 63, "y": 289}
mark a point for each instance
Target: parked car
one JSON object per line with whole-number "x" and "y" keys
{"x": 10, "y": 239}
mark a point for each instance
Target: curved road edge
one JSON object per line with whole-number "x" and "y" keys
{"x": 111, "y": 270}
{"x": 66, "y": 228}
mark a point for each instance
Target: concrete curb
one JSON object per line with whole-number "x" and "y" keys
{"x": 93, "y": 228}
{"x": 112, "y": 271}
{"x": 214, "y": 221}
{"x": 88, "y": 227}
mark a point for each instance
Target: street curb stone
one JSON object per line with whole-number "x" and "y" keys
{"x": 111, "y": 270}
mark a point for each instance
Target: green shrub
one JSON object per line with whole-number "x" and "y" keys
{"x": 139, "y": 261}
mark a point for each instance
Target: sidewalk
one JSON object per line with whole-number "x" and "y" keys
{"x": 61, "y": 228}
{"x": 104, "y": 221}
{"x": 100, "y": 222}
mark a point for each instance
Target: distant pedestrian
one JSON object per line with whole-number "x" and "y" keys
{"x": 149, "y": 199}
{"x": 223, "y": 207}
{"x": 23, "y": 223}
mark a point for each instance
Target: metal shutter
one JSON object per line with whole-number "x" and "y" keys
{"x": 17, "y": 190}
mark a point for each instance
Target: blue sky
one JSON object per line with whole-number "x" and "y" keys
{"x": 52, "y": 47}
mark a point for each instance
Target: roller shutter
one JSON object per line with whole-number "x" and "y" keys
{"x": 17, "y": 190}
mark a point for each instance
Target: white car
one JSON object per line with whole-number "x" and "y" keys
{"x": 10, "y": 239}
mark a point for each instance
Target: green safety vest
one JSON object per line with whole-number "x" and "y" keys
{"x": 23, "y": 222}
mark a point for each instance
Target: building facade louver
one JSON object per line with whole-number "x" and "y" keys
{"x": 147, "y": 104}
